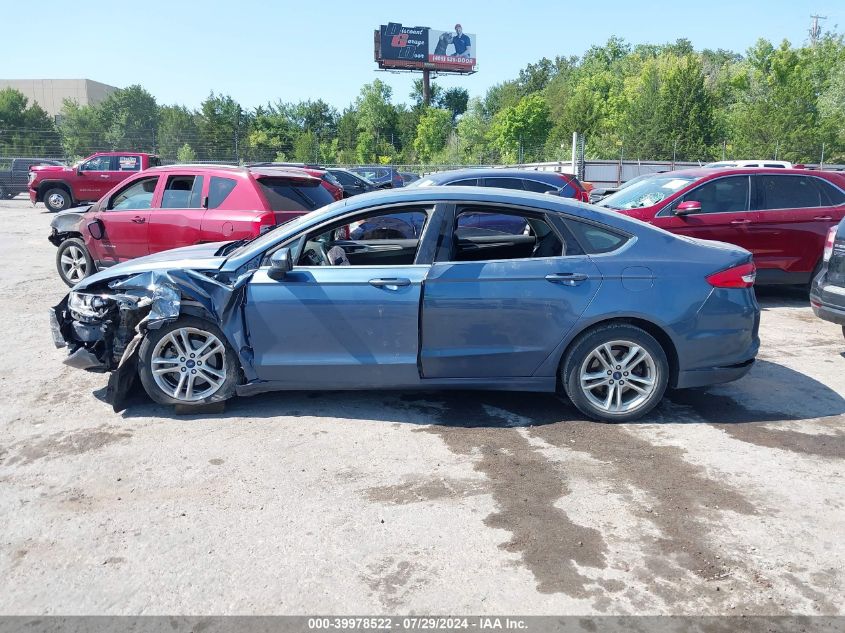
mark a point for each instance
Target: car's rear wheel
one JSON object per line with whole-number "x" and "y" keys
{"x": 4, "y": 193}
{"x": 188, "y": 362}
{"x": 57, "y": 199}
{"x": 73, "y": 261}
{"x": 615, "y": 373}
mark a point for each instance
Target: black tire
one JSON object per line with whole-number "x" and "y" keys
{"x": 843, "y": 330}
{"x": 582, "y": 349}
{"x": 231, "y": 370}
{"x": 73, "y": 261}
{"x": 52, "y": 197}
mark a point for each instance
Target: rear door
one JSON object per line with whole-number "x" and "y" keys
{"x": 725, "y": 214}
{"x": 125, "y": 218}
{"x": 177, "y": 218}
{"x": 795, "y": 213}
{"x": 496, "y": 305}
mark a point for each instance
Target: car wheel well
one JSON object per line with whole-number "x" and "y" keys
{"x": 53, "y": 184}
{"x": 647, "y": 326}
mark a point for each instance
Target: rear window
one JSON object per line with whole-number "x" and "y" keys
{"x": 219, "y": 189}
{"x": 504, "y": 183}
{"x": 284, "y": 194}
{"x": 788, "y": 192}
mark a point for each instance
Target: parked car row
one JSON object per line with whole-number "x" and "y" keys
{"x": 14, "y": 174}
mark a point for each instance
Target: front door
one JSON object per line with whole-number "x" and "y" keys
{"x": 499, "y": 300}
{"x": 95, "y": 178}
{"x": 725, "y": 214}
{"x": 347, "y": 315}
{"x": 177, "y": 219}
{"x": 125, "y": 218}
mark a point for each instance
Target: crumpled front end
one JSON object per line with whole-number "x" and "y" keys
{"x": 102, "y": 326}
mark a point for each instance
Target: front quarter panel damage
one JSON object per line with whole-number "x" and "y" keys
{"x": 110, "y": 341}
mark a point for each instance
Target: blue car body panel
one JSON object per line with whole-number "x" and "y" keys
{"x": 502, "y": 325}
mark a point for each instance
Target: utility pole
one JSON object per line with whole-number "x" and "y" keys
{"x": 815, "y": 29}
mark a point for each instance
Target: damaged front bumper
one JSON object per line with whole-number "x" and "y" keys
{"x": 102, "y": 327}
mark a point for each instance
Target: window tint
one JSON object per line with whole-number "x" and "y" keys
{"x": 787, "y": 192}
{"x": 100, "y": 163}
{"x": 182, "y": 192}
{"x": 466, "y": 182}
{"x": 481, "y": 235}
{"x": 539, "y": 187}
{"x": 139, "y": 195}
{"x": 218, "y": 190}
{"x": 723, "y": 195}
{"x": 129, "y": 163}
{"x": 504, "y": 183}
{"x": 595, "y": 239}
{"x": 831, "y": 195}
{"x": 284, "y": 194}
{"x": 340, "y": 244}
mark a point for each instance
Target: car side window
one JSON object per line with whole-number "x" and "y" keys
{"x": 182, "y": 192}
{"x": 722, "y": 195}
{"x": 538, "y": 187}
{"x": 595, "y": 239}
{"x": 504, "y": 183}
{"x": 219, "y": 189}
{"x": 98, "y": 163}
{"x": 466, "y": 182}
{"x": 483, "y": 234}
{"x": 787, "y": 192}
{"x": 129, "y": 163}
{"x": 389, "y": 237}
{"x": 831, "y": 196}
{"x": 138, "y": 195}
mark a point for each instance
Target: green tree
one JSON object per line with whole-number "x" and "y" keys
{"x": 186, "y": 154}
{"x": 376, "y": 122}
{"x": 473, "y": 130}
{"x": 433, "y": 132}
{"x": 176, "y": 128}
{"x": 222, "y": 127}
{"x": 81, "y": 130}
{"x": 129, "y": 118}
{"x": 455, "y": 100}
{"x": 25, "y": 129}
{"x": 519, "y": 132}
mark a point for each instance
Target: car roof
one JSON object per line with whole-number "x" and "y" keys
{"x": 489, "y": 172}
{"x": 235, "y": 170}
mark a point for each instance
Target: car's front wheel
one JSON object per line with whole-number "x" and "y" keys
{"x": 57, "y": 199}
{"x": 615, "y": 373}
{"x": 4, "y": 193}
{"x": 73, "y": 261}
{"x": 188, "y": 362}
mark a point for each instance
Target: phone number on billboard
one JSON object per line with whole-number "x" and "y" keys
{"x": 407, "y": 624}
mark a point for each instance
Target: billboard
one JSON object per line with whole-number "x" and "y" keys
{"x": 421, "y": 47}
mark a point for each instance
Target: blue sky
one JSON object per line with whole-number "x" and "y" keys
{"x": 257, "y": 52}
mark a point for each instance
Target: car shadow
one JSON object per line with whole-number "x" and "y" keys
{"x": 782, "y": 297}
{"x": 769, "y": 393}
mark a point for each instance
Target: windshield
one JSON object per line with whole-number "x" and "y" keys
{"x": 646, "y": 192}
{"x": 424, "y": 182}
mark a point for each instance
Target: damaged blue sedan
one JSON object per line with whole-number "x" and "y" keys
{"x": 430, "y": 288}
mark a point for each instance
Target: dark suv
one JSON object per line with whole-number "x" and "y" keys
{"x": 381, "y": 177}
{"x": 554, "y": 183}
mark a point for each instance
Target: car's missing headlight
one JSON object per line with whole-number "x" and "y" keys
{"x": 85, "y": 307}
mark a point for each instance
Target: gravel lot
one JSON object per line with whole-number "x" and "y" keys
{"x": 723, "y": 501}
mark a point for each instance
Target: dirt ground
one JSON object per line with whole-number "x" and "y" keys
{"x": 727, "y": 500}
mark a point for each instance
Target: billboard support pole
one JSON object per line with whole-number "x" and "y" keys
{"x": 426, "y": 87}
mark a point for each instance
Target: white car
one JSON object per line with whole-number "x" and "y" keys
{"x": 751, "y": 163}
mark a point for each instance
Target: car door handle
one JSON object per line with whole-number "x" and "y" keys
{"x": 823, "y": 218}
{"x": 139, "y": 219}
{"x": 390, "y": 284}
{"x": 569, "y": 279}
{"x": 743, "y": 221}
{"x": 104, "y": 175}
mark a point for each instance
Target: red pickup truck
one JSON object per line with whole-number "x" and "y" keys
{"x": 60, "y": 187}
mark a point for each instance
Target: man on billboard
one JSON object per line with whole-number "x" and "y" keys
{"x": 461, "y": 43}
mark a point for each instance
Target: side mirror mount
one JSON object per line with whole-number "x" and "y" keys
{"x": 96, "y": 229}
{"x": 690, "y": 206}
{"x": 205, "y": 202}
{"x": 280, "y": 264}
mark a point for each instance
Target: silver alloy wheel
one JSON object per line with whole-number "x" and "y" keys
{"x": 189, "y": 364}
{"x": 56, "y": 200}
{"x": 74, "y": 264}
{"x": 618, "y": 376}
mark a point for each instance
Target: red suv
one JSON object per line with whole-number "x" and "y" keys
{"x": 781, "y": 215}
{"x": 60, "y": 187}
{"x": 181, "y": 205}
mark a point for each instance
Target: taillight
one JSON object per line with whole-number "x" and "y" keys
{"x": 741, "y": 276}
{"x": 828, "y": 243}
